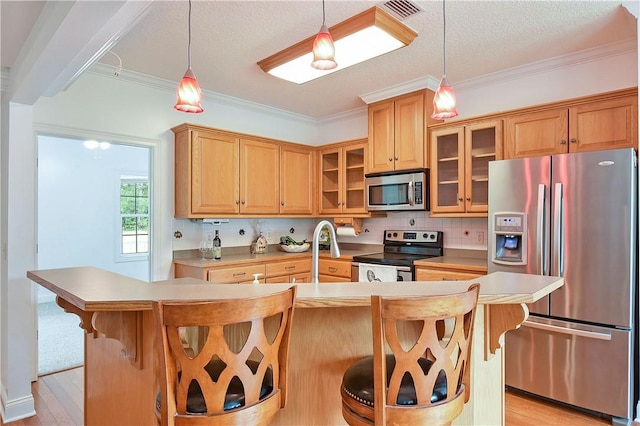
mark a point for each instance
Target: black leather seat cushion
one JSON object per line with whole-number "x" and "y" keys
{"x": 357, "y": 382}
{"x": 235, "y": 393}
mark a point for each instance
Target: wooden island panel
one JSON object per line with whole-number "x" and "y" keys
{"x": 331, "y": 330}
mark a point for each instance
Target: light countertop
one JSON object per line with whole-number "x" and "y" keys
{"x": 94, "y": 289}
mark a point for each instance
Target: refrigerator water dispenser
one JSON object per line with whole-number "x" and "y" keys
{"x": 510, "y": 235}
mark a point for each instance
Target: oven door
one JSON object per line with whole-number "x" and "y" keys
{"x": 404, "y": 273}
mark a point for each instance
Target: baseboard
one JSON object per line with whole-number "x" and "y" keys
{"x": 16, "y": 409}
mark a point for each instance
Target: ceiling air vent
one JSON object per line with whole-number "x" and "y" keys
{"x": 402, "y": 9}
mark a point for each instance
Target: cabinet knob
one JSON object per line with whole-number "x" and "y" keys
{"x": 244, "y": 202}
{"x": 282, "y": 203}
{"x": 237, "y": 202}
{"x": 390, "y": 159}
{"x": 468, "y": 198}
{"x": 574, "y": 140}
{"x": 396, "y": 158}
{"x": 563, "y": 142}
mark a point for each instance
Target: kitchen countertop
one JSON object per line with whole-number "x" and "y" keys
{"x": 93, "y": 289}
{"x": 243, "y": 257}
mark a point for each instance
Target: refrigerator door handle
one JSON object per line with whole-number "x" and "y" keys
{"x": 541, "y": 237}
{"x": 569, "y": 331}
{"x": 557, "y": 268}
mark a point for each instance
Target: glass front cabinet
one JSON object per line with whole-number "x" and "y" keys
{"x": 460, "y": 157}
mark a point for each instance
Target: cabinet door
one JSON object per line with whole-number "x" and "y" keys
{"x": 409, "y": 132}
{"x": 335, "y": 268}
{"x": 447, "y": 170}
{"x": 353, "y": 198}
{"x": 296, "y": 180}
{"x": 607, "y": 124}
{"x": 483, "y": 143}
{"x": 536, "y": 134}
{"x": 424, "y": 274}
{"x": 236, "y": 274}
{"x": 330, "y": 181}
{"x": 260, "y": 177}
{"x": 214, "y": 173}
{"x": 381, "y": 137}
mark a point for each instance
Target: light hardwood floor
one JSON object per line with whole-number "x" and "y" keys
{"x": 58, "y": 400}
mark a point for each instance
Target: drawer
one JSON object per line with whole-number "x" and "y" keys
{"x": 439, "y": 275}
{"x": 236, "y": 274}
{"x": 333, "y": 279}
{"x": 288, "y": 268}
{"x": 339, "y": 268}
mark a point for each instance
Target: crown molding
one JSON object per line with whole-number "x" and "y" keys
{"x": 559, "y": 62}
{"x": 209, "y": 96}
{"x": 515, "y": 73}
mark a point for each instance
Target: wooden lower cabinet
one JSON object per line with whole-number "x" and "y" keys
{"x": 271, "y": 272}
{"x": 334, "y": 270}
{"x": 236, "y": 274}
{"x": 423, "y": 274}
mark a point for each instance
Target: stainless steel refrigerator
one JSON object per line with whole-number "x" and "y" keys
{"x": 575, "y": 216}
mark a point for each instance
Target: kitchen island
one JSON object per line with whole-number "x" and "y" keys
{"x": 331, "y": 330}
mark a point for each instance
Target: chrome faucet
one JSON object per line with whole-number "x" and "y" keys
{"x": 335, "y": 250}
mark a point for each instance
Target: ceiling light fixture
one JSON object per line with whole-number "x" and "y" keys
{"x": 362, "y": 37}
{"x": 189, "y": 93}
{"x": 323, "y": 49}
{"x": 444, "y": 100}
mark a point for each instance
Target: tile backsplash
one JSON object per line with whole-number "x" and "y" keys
{"x": 459, "y": 233}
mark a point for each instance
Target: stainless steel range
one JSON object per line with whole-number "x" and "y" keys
{"x": 401, "y": 248}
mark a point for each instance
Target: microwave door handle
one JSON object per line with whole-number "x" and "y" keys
{"x": 410, "y": 194}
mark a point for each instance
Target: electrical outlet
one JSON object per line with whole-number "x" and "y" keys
{"x": 269, "y": 235}
{"x": 479, "y": 237}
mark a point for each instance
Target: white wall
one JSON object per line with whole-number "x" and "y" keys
{"x": 78, "y": 204}
{"x": 102, "y": 104}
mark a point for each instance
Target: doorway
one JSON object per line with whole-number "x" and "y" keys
{"x": 93, "y": 209}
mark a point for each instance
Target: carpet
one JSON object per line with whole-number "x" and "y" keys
{"x": 60, "y": 339}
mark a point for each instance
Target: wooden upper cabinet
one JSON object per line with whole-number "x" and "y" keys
{"x": 460, "y": 156}
{"x": 536, "y": 134}
{"x": 296, "y": 180}
{"x": 206, "y": 173}
{"x": 396, "y": 133}
{"x": 259, "y": 177}
{"x": 341, "y": 178}
{"x": 607, "y": 123}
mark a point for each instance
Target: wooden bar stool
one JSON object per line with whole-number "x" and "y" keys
{"x": 422, "y": 380}
{"x": 239, "y": 374}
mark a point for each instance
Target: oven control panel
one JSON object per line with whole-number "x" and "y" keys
{"x": 404, "y": 236}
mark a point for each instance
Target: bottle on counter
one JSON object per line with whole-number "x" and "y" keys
{"x": 217, "y": 246}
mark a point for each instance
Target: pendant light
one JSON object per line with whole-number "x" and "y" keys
{"x": 189, "y": 93}
{"x": 323, "y": 49}
{"x": 444, "y": 100}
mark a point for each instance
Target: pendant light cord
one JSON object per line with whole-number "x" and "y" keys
{"x": 444, "y": 39}
{"x": 323, "y": 13}
{"x": 189, "y": 50}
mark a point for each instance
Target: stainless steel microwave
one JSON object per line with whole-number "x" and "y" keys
{"x": 398, "y": 190}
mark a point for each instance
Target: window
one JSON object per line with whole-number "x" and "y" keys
{"x": 134, "y": 214}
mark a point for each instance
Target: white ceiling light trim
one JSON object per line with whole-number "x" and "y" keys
{"x": 371, "y": 33}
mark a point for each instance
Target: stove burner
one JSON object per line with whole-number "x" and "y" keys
{"x": 402, "y": 248}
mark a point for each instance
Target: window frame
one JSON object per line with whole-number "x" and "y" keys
{"x": 131, "y": 257}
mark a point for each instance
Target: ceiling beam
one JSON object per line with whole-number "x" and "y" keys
{"x": 67, "y": 38}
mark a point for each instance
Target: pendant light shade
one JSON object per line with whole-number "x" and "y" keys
{"x": 189, "y": 93}
{"x": 323, "y": 50}
{"x": 444, "y": 100}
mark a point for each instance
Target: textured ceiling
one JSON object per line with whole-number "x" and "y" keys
{"x": 230, "y": 37}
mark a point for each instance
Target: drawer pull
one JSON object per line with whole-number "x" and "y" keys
{"x": 290, "y": 268}
{"x": 333, "y": 269}
{"x": 239, "y": 274}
